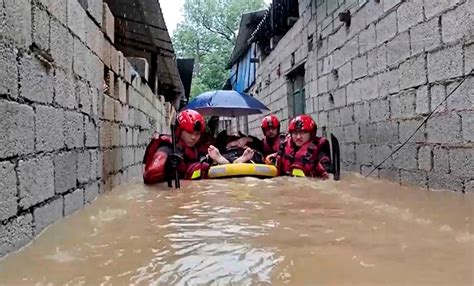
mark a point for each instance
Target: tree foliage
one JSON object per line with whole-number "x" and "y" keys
{"x": 207, "y": 34}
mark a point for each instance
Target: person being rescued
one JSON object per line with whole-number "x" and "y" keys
{"x": 159, "y": 159}
{"x": 236, "y": 149}
{"x": 303, "y": 153}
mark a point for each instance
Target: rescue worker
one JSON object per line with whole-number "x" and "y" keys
{"x": 303, "y": 153}
{"x": 272, "y": 136}
{"x": 159, "y": 160}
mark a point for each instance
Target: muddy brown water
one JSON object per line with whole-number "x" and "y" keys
{"x": 256, "y": 232}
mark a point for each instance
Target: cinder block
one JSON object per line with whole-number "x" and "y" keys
{"x": 105, "y": 131}
{"x": 380, "y": 110}
{"x": 9, "y": 70}
{"x": 351, "y": 49}
{"x": 444, "y": 129}
{"x": 17, "y": 129}
{"x": 386, "y": 28}
{"x": 354, "y": 92}
{"x": 368, "y": 133}
{"x": 390, "y": 4}
{"x": 409, "y": 14}
{"x": 91, "y": 133}
{"x": 348, "y": 153}
{"x": 83, "y": 167}
{"x": 64, "y": 89}
{"x": 8, "y": 195}
{"x": 118, "y": 111}
{"x": 16, "y": 234}
{"x": 65, "y": 172}
{"x": 422, "y": 100}
{"x": 440, "y": 160}
{"x": 94, "y": 170}
{"x": 468, "y": 125}
{"x": 73, "y": 201}
{"x": 91, "y": 192}
{"x": 391, "y": 174}
{"x": 62, "y": 46}
{"x": 469, "y": 59}
{"x": 49, "y": 124}
{"x": 377, "y": 59}
{"x": 36, "y": 81}
{"x": 458, "y": 23}
{"x": 425, "y": 156}
{"x": 17, "y": 25}
{"x": 369, "y": 88}
{"x": 367, "y": 39}
{"x": 398, "y": 49}
{"x": 417, "y": 178}
{"x": 95, "y": 9}
{"x": 360, "y": 67}
{"x": 80, "y": 58}
{"x": 351, "y": 133}
{"x": 387, "y": 132}
{"x": 74, "y": 129}
{"x": 362, "y": 112}
{"x": 108, "y": 23}
{"x": 463, "y": 97}
{"x": 109, "y": 105}
{"x": 48, "y": 214}
{"x": 438, "y": 95}
{"x": 363, "y": 153}
{"x": 425, "y": 37}
{"x": 438, "y": 181}
{"x": 445, "y": 64}
{"x": 461, "y": 162}
{"x": 403, "y": 105}
{"x": 405, "y": 158}
{"x": 345, "y": 75}
{"x": 76, "y": 19}
{"x": 347, "y": 115}
{"x": 57, "y": 8}
{"x": 413, "y": 72}
{"x": 40, "y": 28}
{"x": 36, "y": 181}
{"x": 407, "y": 127}
{"x": 434, "y": 7}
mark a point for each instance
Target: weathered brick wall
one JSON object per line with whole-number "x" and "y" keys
{"x": 63, "y": 139}
{"x": 373, "y": 83}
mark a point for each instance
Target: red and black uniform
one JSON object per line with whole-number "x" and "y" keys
{"x": 156, "y": 158}
{"x": 271, "y": 145}
{"x": 312, "y": 158}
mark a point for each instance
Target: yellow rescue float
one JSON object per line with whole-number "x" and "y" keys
{"x": 242, "y": 170}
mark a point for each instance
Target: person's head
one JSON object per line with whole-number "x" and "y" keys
{"x": 302, "y": 129}
{"x": 270, "y": 126}
{"x": 189, "y": 126}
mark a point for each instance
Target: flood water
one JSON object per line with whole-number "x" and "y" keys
{"x": 255, "y": 232}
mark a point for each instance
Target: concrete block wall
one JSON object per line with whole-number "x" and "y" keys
{"x": 374, "y": 82}
{"x": 73, "y": 123}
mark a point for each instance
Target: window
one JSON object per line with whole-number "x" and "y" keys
{"x": 297, "y": 92}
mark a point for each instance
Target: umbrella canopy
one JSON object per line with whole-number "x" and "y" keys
{"x": 228, "y": 103}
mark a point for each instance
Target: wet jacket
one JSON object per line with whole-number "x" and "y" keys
{"x": 157, "y": 168}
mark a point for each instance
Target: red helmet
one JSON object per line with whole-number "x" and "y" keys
{"x": 270, "y": 121}
{"x": 303, "y": 123}
{"x": 190, "y": 121}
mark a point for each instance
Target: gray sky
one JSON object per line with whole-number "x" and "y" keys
{"x": 173, "y": 14}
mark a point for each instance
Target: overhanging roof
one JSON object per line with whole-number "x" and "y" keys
{"x": 140, "y": 24}
{"x": 248, "y": 23}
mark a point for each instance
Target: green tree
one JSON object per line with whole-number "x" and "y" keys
{"x": 207, "y": 34}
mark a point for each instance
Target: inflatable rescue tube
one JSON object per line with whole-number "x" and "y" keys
{"x": 242, "y": 169}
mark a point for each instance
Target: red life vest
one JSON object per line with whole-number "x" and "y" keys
{"x": 306, "y": 158}
{"x": 154, "y": 162}
{"x": 274, "y": 146}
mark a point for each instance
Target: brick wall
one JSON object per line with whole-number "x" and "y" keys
{"x": 373, "y": 83}
{"x": 63, "y": 138}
